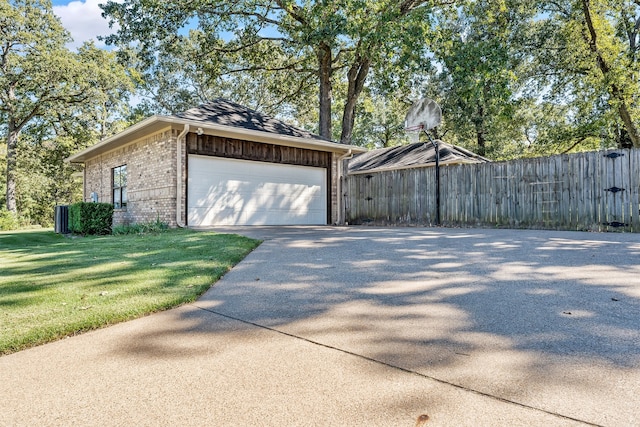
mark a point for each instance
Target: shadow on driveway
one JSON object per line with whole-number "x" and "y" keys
{"x": 362, "y": 327}
{"x": 546, "y": 319}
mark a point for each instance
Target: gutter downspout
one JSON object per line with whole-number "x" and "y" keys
{"x": 181, "y": 136}
{"x": 341, "y": 159}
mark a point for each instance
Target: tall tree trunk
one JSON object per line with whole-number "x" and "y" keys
{"x": 356, "y": 76}
{"x": 632, "y": 130}
{"x": 14, "y": 127}
{"x": 12, "y": 146}
{"x": 325, "y": 73}
{"x": 480, "y": 132}
{"x": 482, "y": 142}
{"x": 615, "y": 91}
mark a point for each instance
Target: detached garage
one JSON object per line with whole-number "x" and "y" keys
{"x": 217, "y": 164}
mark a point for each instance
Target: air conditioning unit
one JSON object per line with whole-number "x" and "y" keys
{"x": 61, "y": 219}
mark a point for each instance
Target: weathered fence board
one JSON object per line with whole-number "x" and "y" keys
{"x": 597, "y": 191}
{"x": 634, "y": 189}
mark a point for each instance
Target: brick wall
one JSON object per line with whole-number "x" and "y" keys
{"x": 151, "y": 179}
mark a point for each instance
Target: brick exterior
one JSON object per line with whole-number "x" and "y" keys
{"x": 151, "y": 180}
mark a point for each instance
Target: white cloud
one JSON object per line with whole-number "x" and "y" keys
{"x": 83, "y": 19}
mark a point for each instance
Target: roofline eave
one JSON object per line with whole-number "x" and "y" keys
{"x": 278, "y": 139}
{"x": 138, "y": 127}
{"x": 213, "y": 129}
{"x": 415, "y": 166}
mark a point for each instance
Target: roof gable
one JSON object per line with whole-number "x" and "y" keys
{"x": 226, "y": 113}
{"x": 222, "y": 118}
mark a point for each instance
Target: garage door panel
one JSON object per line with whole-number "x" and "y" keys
{"x": 240, "y": 192}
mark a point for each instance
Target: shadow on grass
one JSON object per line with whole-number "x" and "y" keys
{"x": 52, "y": 286}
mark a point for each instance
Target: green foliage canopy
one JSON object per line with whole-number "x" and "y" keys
{"x": 478, "y": 82}
{"x": 584, "y": 53}
{"x": 298, "y": 48}
{"x": 53, "y": 101}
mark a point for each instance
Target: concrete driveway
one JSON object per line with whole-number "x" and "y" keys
{"x": 366, "y": 327}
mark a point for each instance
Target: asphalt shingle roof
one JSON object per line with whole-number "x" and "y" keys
{"x": 224, "y": 112}
{"x": 419, "y": 154}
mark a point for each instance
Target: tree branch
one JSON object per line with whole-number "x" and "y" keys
{"x": 304, "y": 83}
{"x": 245, "y": 46}
{"x": 259, "y": 68}
{"x": 593, "y": 38}
{"x": 293, "y": 13}
{"x": 579, "y": 141}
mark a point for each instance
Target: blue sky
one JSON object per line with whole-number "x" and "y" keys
{"x": 82, "y": 18}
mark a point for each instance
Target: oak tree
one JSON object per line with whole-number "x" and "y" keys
{"x": 587, "y": 52}
{"x": 42, "y": 81}
{"x": 324, "y": 42}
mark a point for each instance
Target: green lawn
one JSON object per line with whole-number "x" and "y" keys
{"x": 53, "y": 286}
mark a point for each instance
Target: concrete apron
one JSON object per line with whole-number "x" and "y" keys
{"x": 362, "y": 327}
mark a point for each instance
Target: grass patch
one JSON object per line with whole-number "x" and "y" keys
{"x": 156, "y": 226}
{"x": 53, "y": 286}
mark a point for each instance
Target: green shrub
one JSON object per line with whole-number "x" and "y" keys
{"x": 8, "y": 220}
{"x": 90, "y": 218}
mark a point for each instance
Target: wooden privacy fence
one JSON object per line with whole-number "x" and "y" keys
{"x": 597, "y": 191}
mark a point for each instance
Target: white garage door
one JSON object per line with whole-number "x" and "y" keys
{"x": 240, "y": 192}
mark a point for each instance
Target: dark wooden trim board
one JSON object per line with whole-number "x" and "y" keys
{"x": 209, "y": 145}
